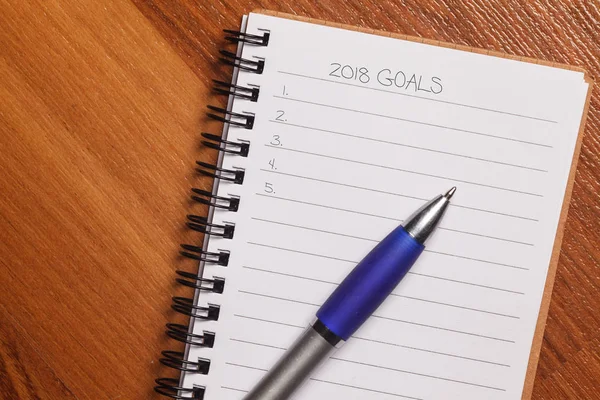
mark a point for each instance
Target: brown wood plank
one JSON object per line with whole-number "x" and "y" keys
{"x": 101, "y": 106}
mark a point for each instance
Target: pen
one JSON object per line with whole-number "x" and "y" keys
{"x": 353, "y": 301}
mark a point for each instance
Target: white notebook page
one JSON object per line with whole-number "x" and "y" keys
{"x": 338, "y": 156}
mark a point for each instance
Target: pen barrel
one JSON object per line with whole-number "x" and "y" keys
{"x": 369, "y": 283}
{"x": 293, "y": 368}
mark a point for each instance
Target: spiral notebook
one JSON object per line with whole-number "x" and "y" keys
{"x": 331, "y": 136}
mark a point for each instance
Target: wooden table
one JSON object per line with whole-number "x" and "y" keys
{"x": 101, "y": 105}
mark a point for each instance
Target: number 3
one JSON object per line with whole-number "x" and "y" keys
{"x": 275, "y": 141}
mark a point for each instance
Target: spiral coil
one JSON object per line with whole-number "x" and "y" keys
{"x": 176, "y": 360}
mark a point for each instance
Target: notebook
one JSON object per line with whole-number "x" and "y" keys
{"x": 333, "y": 135}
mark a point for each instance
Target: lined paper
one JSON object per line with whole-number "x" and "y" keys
{"x": 338, "y": 159}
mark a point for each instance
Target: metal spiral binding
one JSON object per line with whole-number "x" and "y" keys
{"x": 236, "y": 36}
{"x": 215, "y": 285}
{"x": 185, "y": 306}
{"x": 239, "y": 148}
{"x": 180, "y": 333}
{"x": 232, "y": 118}
{"x": 233, "y": 175}
{"x": 206, "y": 197}
{"x": 201, "y": 224}
{"x": 243, "y": 64}
{"x": 198, "y": 254}
{"x": 169, "y": 387}
{"x": 176, "y": 360}
{"x": 237, "y": 91}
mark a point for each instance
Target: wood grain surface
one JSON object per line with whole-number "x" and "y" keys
{"x": 101, "y": 105}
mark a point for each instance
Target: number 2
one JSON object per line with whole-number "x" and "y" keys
{"x": 279, "y": 117}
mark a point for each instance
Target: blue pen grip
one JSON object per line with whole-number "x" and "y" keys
{"x": 369, "y": 283}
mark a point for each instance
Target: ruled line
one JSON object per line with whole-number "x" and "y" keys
{"x": 446, "y": 178}
{"x": 386, "y": 344}
{"x": 418, "y": 374}
{"x": 257, "y": 344}
{"x": 267, "y": 296}
{"x": 392, "y": 294}
{"x": 419, "y": 97}
{"x": 291, "y": 275}
{"x": 444, "y": 329}
{"x": 396, "y": 194}
{"x": 390, "y": 218}
{"x": 386, "y": 368}
{"x": 268, "y": 321}
{"x": 321, "y": 381}
{"x": 389, "y": 319}
{"x": 467, "y": 283}
{"x": 234, "y": 389}
{"x": 331, "y": 257}
{"x": 409, "y": 146}
{"x": 366, "y": 239}
{"x": 365, "y": 389}
{"x": 413, "y": 121}
{"x": 430, "y": 351}
{"x": 246, "y": 366}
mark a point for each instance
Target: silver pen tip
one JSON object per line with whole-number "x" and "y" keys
{"x": 450, "y": 193}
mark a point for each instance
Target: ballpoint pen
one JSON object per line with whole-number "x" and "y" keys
{"x": 353, "y": 301}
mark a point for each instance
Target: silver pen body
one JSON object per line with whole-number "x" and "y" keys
{"x": 295, "y": 366}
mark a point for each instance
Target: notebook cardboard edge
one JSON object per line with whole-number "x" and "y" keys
{"x": 538, "y": 338}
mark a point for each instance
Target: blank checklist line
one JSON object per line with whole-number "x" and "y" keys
{"x": 290, "y": 275}
{"x": 234, "y": 389}
{"x": 390, "y": 319}
{"x": 269, "y": 221}
{"x": 355, "y": 262}
{"x": 268, "y": 321}
{"x": 419, "y": 97}
{"x": 467, "y": 283}
{"x": 408, "y": 171}
{"x": 379, "y": 342}
{"x": 404, "y": 371}
{"x": 257, "y": 344}
{"x": 317, "y": 380}
{"x": 440, "y": 303}
{"x": 267, "y": 296}
{"x": 367, "y": 239}
{"x": 246, "y": 366}
{"x": 365, "y": 389}
{"x": 382, "y": 367}
{"x": 410, "y": 146}
{"x": 390, "y": 218}
{"x": 403, "y": 321}
{"x": 443, "y": 329}
{"x": 396, "y": 194}
{"x": 414, "y": 121}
